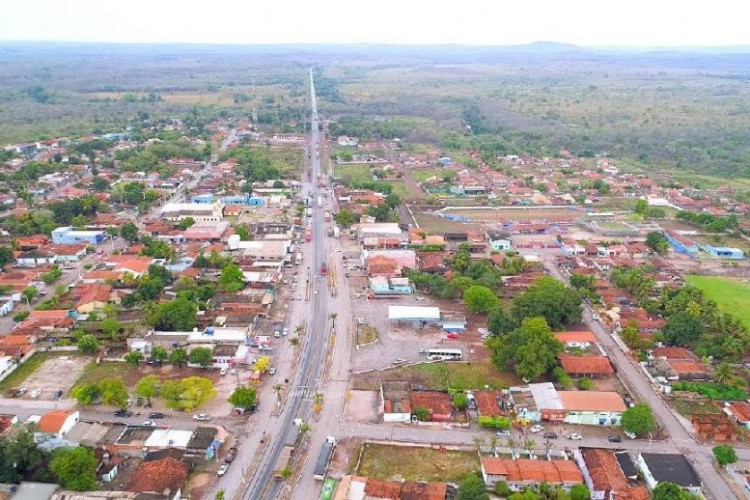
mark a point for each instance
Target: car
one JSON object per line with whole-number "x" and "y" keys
{"x": 631, "y": 435}
{"x": 399, "y": 361}
{"x": 550, "y": 435}
{"x": 338, "y": 250}
{"x": 156, "y": 414}
{"x": 420, "y": 298}
{"x": 222, "y": 469}
{"x": 452, "y": 336}
{"x": 285, "y": 281}
{"x": 231, "y": 454}
{"x": 299, "y": 297}
{"x": 36, "y": 393}
{"x": 575, "y": 436}
{"x": 20, "y": 392}
{"x": 614, "y": 438}
{"x": 201, "y": 417}
{"x": 505, "y": 433}
{"x": 123, "y": 413}
{"x": 285, "y": 332}
{"x": 272, "y": 370}
{"x": 149, "y": 423}
{"x": 537, "y": 428}
{"x": 224, "y": 370}
{"x": 276, "y": 334}
{"x": 58, "y": 394}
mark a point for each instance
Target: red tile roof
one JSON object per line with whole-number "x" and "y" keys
{"x": 585, "y": 365}
{"x": 591, "y": 401}
{"x": 52, "y": 421}
{"x": 527, "y": 470}
{"x": 741, "y": 410}
{"x": 566, "y": 337}
{"x": 688, "y": 366}
{"x": 159, "y": 475}
{"x": 673, "y": 353}
{"x": 382, "y": 489}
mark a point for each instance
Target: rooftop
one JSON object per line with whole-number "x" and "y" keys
{"x": 569, "y": 337}
{"x": 598, "y": 365}
{"x": 740, "y": 409}
{"x": 671, "y": 467}
{"x": 52, "y": 421}
{"x": 527, "y": 470}
{"x": 591, "y": 401}
{"x": 437, "y": 402}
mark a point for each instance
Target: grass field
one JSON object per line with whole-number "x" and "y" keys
{"x": 423, "y": 175}
{"x": 415, "y": 463}
{"x": 442, "y": 376}
{"x": 95, "y": 372}
{"x": 732, "y": 295}
{"x": 352, "y": 173}
{"x": 22, "y": 372}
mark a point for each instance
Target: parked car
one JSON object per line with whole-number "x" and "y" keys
{"x": 149, "y": 423}
{"x": 575, "y": 436}
{"x": 201, "y": 417}
{"x": 399, "y": 361}
{"x": 231, "y": 454}
{"x": 537, "y": 428}
{"x": 452, "y": 336}
{"x": 224, "y": 370}
{"x": 58, "y": 394}
{"x": 156, "y": 414}
{"x": 20, "y": 392}
{"x": 505, "y": 433}
{"x": 285, "y": 332}
{"x": 272, "y": 370}
{"x": 277, "y": 334}
{"x": 222, "y": 469}
{"x": 123, "y": 413}
{"x": 550, "y": 435}
{"x": 36, "y": 393}
{"x": 614, "y": 438}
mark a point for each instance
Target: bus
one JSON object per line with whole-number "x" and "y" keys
{"x": 444, "y": 354}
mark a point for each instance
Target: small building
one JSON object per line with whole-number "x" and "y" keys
{"x": 576, "y": 340}
{"x": 605, "y": 479}
{"x": 524, "y": 472}
{"x": 69, "y": 236}
{"x": 165, "y": 476}
{"x": 199, "y": 212}
{"x": 499, "y": 240}
{"x": 723, "y": 252}
{"x": 395, "y": 405}
{"x": 58, "y": 422}
{"x": 418, "y": 315}
{"x": 586, "y": 366}
{"x": 34, "y": 258}
{"x": 381, "y": 286}
{"x": 739, "y": 411}
{"x": 28, "y": 490}
{"x": 716, "y": 427}
{"x": 488, "y": 403}
{"x": 671, "y": 468}
{"x": 203, "y": 445}
{"x": 681, "y": 243}
{"x": 438, "y": 404}
{"x": 453, "y": 322}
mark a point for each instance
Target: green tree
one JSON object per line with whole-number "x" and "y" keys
{"x": 657, "y": 242}
{"x": 30, "y": 293}
{"x": 86, "y": 394}
{"x": 231, "y": 279}
{"x": 147, "y": 387}
{"x": 129, "y": 232}
{"x": 585, "y": 384}
{"x": 562, "y": 378}
{"x": 99, "y": 184}
{"x": 20, "y": 316}
{"x": 472, "y": 487}
{"x": 345, "y": 218}
{"x": 87, "y": 344}
{"x": 531, "y": 349}
{"x": 639, "y": 419}
{"x": 670, "y": 491}
{"x": 194, "y": 391}
{"x": 724, "y": 454}
{"x": 179, "y": 314}
{"x": 579, "y": 492}
{"x": 631, "y": 335}
{"x": 159, "y": 354}
{"x": 723, "y": 373}
{"x": 178, "y": 356}
{"x": 641, "y": 207}
{"x": 133, "y": 358}
{"x": 186, "y": 223}
{"x": 460, "y": 401}
{"x": 243, "y": 397}
{"x": 502, "y": 489}
{"x": 111, "y": 327}
{"x": 422, "y": 414}
{"x": 243, "y": 233}
{"x": 201, "y": 356}
{"x": 480, "y": 299}
{"x": 499, "y": 322}
{"x": 6, "y": 256}
{"x": 113, "y": 392}
{"x": 550, "y": 299}
{"x": 74, "y": 468}
{"x": 19, "y": 455}
{"x": 682, "y": 329}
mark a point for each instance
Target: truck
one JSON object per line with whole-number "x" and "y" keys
{"x": 323, "y": 269}
{"x": 324, "y": 459}
{"x": 336, "y": 231}
{"x": 284, "y": 459}
{"x": 298, "y": 258}
{"x": 327, "y": 216}
{"x": 308, "y": 233}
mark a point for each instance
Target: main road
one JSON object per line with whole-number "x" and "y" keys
{"x": 308, "y": 374}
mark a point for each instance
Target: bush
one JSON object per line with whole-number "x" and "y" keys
{"x": 712, "y": 390}
{"x": 500, "y": 423}
{"x": 725, "y": 454}
{"x": 585, "y": 384}
{"x": 20, "y": 316}
{"x": 460, "y": 401}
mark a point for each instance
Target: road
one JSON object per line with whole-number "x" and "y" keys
{"x": 298, "y": 404}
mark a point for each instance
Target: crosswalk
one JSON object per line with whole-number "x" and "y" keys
{"x": 307, "y": 393}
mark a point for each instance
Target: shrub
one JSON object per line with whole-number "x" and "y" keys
{"x": 712, "y": 390}
{"x": 501, "y": 423}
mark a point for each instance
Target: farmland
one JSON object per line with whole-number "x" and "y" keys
{"x": 732, "y": 295}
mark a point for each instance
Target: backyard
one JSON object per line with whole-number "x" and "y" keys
{"x": 732, "y": 295}
{"x": 415, "y": 463}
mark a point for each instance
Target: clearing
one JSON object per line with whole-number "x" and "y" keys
{"x": 732, "y": 295}
{"x": 95, "y": 372}
{"x": 37, "y": 370}
{"x": 440, "y": 376}
{"x": 412, "y": 463}
{"x": 351, "y": 174}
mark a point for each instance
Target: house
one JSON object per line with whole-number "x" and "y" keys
{"x": 524, "y": 472}
{"x": 66, "y": 253}
{"x": 605, "y": 479}
{"x": 577, "y": 407}
{"x": 715, "y": 427}
{"x": 69, "y": 236}
{"x": 28, "y": 490}
{"x": 199, "y": 212}
{"x": 91, "y": 297}
{"x": 381, "y": 286}
{"x": 390, "y": 263}
{"x": 34, "y": 258}
{"x": 586, "y": 366}
{"x": 165, "y": 476}
{"x": 203, "y": 445}
{"x": 669, "y": 467}
{"x": 681, "y": 243}
{"x": 395, "y": 405}
{"x": 739, "y": 411}
{"x": 134, "y": 265}
{"x": 576, "y": 340}
{"x": 487, "y": 403}
{"x": 723, "y": 252}
{"x": 438, "y": 404}
{"x": 57, "y": 422}
{"x": 499, "y": 241}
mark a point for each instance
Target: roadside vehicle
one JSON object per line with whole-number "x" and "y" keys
{"x": 222, "y": 469}
{"x": 327, "y": 491}
{"x": 149, "y": 423}
{"x": 505, "y": 433}
{"x": 550, "y": 435}
{"x": 123, "y": 413}
{"x": 201, "y": 417}
{"x": 155, "y": 414}
{"x": 575, "y": 436}
{"x": 231, "y": 455}
{"x": 614, "y": 438}
{"x": 537, "y": 428}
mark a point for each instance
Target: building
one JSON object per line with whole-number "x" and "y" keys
{"x": 395, "y": 404}
{"x": 165, "y": 476}
{"x": 438, "y": 404}
{"x": 418, "y": 315}
{"x": 69, "y": 236}
{"x": 381, "y": 286}
{"x": 723, "y": 252}
{"x": 739, "y": 411}
{"x": 576, "y": 340}
{"x": 524, "y": 472}
{"x": 671, "y": 468}
{"x": 577, "y": 407}
{"x": 199, "y": 212}
{"x": 57, "y": 422}
{"x": 681, "y": 243}
{"x": 605, "y": 479}
{"x": 586, "y": 366}
{"x": 499, "y": 241}
{"x": 203, "y": 445}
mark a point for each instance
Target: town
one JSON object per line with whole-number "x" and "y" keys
{"x": 233, "y": 309}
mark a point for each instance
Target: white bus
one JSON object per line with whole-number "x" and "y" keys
{"x": 444, "y": 354}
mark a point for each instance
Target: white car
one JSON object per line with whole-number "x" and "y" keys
{"x": 285, "y": 332}
{"x": 537, "y": 428}
{"x": 276, "y": 335}
{"x": 272, "y": 370}
{"x": 201, "y": 417}
{"x": 36, "y": 393}
{"x": 149, "y": 423}
{"x": 575, "y": 436}
{"x": 222, "y": 469}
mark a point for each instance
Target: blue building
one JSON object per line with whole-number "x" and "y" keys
{"x": 380, "y": 285}
{"x": 681, "y": 244}
{"x": 203, "y": 198}
{"x": 724, "y": 252}
{"x": 68, "y": 236}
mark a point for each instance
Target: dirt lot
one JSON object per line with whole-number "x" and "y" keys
{"x": 60, "y": 372}
{"x": 361, "y": 406}
{"x": 344, "y": 457}
{"x": 411, "y": 463}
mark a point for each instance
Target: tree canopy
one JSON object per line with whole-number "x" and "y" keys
{"x": 639, "y": 419}
{"x": 550, "y": 299}
{"x": 530, "y": 349}
{"x": 232, "y": 279}
{"x": 682, "y": 329}
{"x": 179, "y": 314}
{"x": 243, "y": 397}
{"x": 74, "y": 468}
{"x": 202, "y": 356}
{"x": 480, "y": 299}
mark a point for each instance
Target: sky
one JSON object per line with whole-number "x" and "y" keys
{"x": 470, "y": 22}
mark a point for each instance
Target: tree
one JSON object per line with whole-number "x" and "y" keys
{"x": 531, "y": 349}
{"x": 460, "y": 401}
{"x": 114, "y": 392}
{"x": 187, "y": 393}
{"x": 74, "y": 468}
{"x": 159, "y": 354}
{"x": 278, "y": 389}
{"x": 345, "y": 217}
{"x": 724, "y": 454}
{"x": 682, "y": 329}
{"x": 243, "y": 233}
{"x": 480, "y": 299}
{"x": 202, "y": 356}
{"x": 86, "y": 394}
{"x": 499, "y": 322}
{"x": 178, "y": 356}
{"x": 111, "y": 326}
{"x": 723, "y": 373}
{"x": 129, "y": 232}
{"x": 19, "y": 455}
{"x": 219, "y": 495}
{"x": 186, "y": 223}
{"x": 657, "y": 242}
{"x": 231, "y": 279}
{"x": 87, "y": 344}
{"x": 243, "y": 397}
{"x": 670, "y": 491}
{"x": 562, "y": 378}
{"x": 133, "y": 358}
{"x": 641, "y": 207}
{"x": 6, "y": 256}
{"x": 20, "y": 316}
{"x": 502, "y": 489}
{"x": 639, "y": 419}
{"x": 179, "y": 314}
{"x": 263, "y": 364}
{"x": 30, "y": 293}
{"x": 472, "y": 487}
{"x": 579, "y": 492}
{"x": 631, "y": 335}
{"x": 422, "y": 414}
{"x": 99, "y": 184}
{"x": 147, "y": 387}
{"x": 549, "y": 298}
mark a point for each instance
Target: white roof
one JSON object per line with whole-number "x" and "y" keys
{"x": 174, "y": 438}
{"x": 380, "y": 228}
{"x": 219, "y": 335}
{"x": 546, "y": 396}
{"x": 398, "y": 313}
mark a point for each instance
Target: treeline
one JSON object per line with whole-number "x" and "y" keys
{"x": 709, "y": 222}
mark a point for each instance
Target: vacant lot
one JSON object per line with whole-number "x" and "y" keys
{"x": 95, "y": 372}
{"x": 415, "y": 463}
{"x": 58, "y": 372}
{"x": 520, "y": 215}
{"x": 23, "y": 372}
{"x": 732, "y": 295}
{"x": 440, "y": 376}
{"x": 351, "y": 174}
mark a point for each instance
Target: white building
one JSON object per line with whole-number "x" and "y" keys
{"x": 199, "y": 212}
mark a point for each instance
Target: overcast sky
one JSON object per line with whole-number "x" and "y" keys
{"x": 478, "y": 22}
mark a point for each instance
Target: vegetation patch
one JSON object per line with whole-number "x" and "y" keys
{"x": 366, "y": 334}
{"x": 352, "y": 174}
{"x": 689, "y": 407}
{"x": 712, "y": 390}
{"x": 731, "y": 295}
{"x": 416, "y": 463}
{"x": 441, "y": 376}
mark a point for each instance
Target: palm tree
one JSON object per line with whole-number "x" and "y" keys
{"x": 494, "y": 440}
{"x": 219, "y": 495}
{"x": 723, "y": 373}
{"x": 511, "y": 443}
{"x": 299, "y": 329}
{"x": 548, "y": 445}
{"x": 528, "y": 445}
{"x": 318, "y": 398}
{"x": 277, "y": 388}
{"x": 305, "y": 429}
{"x": 333, "y": 317}
{"x": 478, "y": 442}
